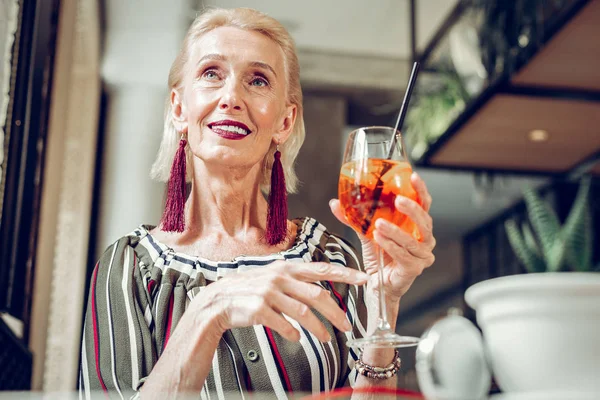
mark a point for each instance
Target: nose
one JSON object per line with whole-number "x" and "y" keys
{"x": 231, "y": 98}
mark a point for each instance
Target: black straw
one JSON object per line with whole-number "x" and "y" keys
{"x": 404, "y": 107}
{"x": 379, "y": 185}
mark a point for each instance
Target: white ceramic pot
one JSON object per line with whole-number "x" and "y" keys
{"x": 541, "y": 331}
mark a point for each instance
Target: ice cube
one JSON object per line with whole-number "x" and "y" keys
{"x": 398, "y": 177}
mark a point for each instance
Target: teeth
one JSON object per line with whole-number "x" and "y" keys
{"x": 233, "y": 129}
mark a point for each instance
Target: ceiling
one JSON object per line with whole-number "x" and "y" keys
{"x": 572, "y": 58}
{"x": 380, "y": 28}
{"x": 558, "y": 91}
{"x": 497, "y": 136}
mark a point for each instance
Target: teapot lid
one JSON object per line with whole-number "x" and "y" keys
{"x": 451, "y": 362}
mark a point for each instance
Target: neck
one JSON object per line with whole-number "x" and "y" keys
{"x": 226, "y": 202}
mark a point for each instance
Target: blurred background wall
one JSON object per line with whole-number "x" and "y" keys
{"x": 476, "y": 151}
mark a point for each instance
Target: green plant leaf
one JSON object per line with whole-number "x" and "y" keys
{"x": 531, "y": 261}
{"x": 579, "y": 243}
{"x": 556, "y": 255}
{"x": 544, "y": 221}
{"x": 577, "y": 230}
{"x": 530, "y": 239}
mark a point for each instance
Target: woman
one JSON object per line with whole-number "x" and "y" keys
{"x": 221, "y": 296}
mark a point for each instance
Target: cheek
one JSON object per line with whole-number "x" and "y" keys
{"x": 268, "y": 113}
{"x": 200, "y": 104}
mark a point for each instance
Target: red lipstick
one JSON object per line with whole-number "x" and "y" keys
{"x": 230, "y": 129}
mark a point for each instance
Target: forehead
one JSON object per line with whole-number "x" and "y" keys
{"x": 239, "y": 45}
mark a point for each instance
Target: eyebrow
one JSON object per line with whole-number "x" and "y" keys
{"x": 220, "y": 57}
{"x": 262, "y": 65}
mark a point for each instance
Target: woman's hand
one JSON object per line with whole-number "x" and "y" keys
{"x": 405, "y": 258}
{"x": 261, "y": 296}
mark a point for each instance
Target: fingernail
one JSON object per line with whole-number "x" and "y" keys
{"x": 362, "y": 276}
{"x": 347, "y": 326}
{"x": 381, "y": 224}
{"x": 331, "y": 202}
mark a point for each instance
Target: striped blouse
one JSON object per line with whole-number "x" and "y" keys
{"x": 140, "y": 289}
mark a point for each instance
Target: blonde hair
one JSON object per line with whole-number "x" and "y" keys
{"x": 251, "y": 20}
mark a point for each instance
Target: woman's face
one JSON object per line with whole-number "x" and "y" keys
{"x": 233, "y": 103}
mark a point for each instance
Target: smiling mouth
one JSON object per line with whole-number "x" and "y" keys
{"x": 230, "y": 129}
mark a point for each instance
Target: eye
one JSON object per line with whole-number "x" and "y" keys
{"x": 210, "y": 74}
{"x": 259, "y": 82}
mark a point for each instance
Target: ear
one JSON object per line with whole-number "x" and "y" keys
{"x": 178, "y": 111}
{"x": 287, "y": 124}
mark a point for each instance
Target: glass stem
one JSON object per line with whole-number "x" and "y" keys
{"x": 382, "y": 323}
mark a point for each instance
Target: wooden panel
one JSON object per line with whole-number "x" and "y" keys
{"x": 497, "y": 136}
{"x": 572, "y": 58}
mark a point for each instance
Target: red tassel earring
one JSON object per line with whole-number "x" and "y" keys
{"x": 173, "y": 219}
{"x": 278, "y": 212}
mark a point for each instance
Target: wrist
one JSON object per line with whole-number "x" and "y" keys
{"x": 208, "y": 312}
{"x": 372, "y": 291}
{"x": 378, "y": 357}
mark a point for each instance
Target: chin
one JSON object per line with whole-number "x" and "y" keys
{"x": 227, "y": 157}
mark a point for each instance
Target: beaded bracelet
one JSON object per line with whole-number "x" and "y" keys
{"x": 379, "y": 372}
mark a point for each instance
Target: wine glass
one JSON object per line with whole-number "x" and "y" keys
{"x": 371, "y": 177}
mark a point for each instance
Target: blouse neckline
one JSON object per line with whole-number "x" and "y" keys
{"x": 303, "y": 234}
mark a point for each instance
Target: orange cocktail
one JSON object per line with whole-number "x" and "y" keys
{"x": 368, "y": 189}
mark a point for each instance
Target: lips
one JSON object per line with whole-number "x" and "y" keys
{"x": 230, "y": 129}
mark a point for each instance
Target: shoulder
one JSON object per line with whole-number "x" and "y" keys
{"x": 122, "y": 253}
{"x": 130, "y": 240}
